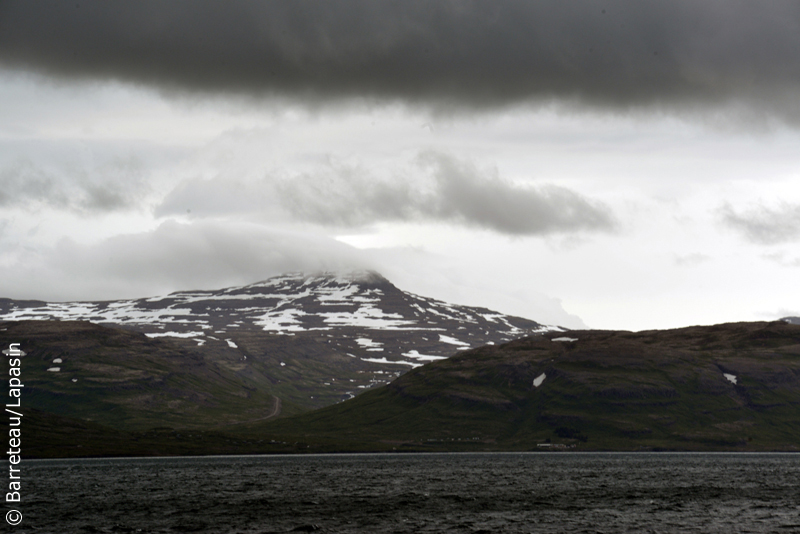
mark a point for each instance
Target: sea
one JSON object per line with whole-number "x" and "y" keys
{"x": 558, "y": 492}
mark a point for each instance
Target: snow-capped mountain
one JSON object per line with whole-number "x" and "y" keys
{"x": 359, "y": 316}
{"x": 362, "y": 311}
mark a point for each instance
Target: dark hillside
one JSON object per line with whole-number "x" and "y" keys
{"x": 723, "y": 387}
{"x": 732, "y": 386}
{"x": 127, "y": 381}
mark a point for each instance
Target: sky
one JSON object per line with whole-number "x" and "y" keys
{"x": 604, "y": 164}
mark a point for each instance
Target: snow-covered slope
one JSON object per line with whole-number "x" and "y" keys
{"x": 360, "y": 314}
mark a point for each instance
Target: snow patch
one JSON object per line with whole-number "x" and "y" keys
{"x": 231, "y": 344}
{"x": 58, "y": 360}
{"x": 549, "y": 328}
{"x": 384, "y": 360}
{"x": 452, "y": 341}
{"x": 175, "y": 334}
{"x": 367, "y": 343}
{"x": 281, "y": 321}
{"x": 730, "y": 377}
{"x": 54, "y": 369}
{"x": 122, "y": 312}
{"x": 367, "y": 316}
{"x": 417, "y": 356}
{"x": 565, "y": 339}
{"x": 538, "y": 380}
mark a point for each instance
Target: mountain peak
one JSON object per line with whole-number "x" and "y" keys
{"x": 364, "y": 276}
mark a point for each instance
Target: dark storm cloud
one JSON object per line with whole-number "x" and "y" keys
{"x": 436, "y": 188}
{"x": 611, "y": 53}
{"x": 765, "y": 225}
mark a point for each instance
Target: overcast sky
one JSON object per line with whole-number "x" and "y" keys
{"x": 626, "y": 165}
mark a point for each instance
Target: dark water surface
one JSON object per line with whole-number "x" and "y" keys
{"x": 534, "y": 492}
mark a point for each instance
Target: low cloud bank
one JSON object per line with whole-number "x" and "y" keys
{"x": 202, "y": 255}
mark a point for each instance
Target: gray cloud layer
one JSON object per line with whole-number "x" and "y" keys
{"x": 437, "y": 188}
{"x": 464, "y": 195}
{"x": 764, "y": 225}
{"x": 216, "y": 254}
{"x": 614, "y": 54}
{"x": 113, "y": 186}
{"x": 206, "y": 254}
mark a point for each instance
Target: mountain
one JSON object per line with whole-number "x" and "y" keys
{"x": 239, "y": 370}
{"x": 791, "y": 320}
{"x": 724, "y": 387}
{"x": 278, "y": 347}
